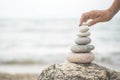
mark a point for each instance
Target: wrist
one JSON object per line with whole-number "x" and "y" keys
{"x": 114, "y": 8}
{"x": 111, "y": 12}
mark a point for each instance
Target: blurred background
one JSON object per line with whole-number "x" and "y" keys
{"x": 37, "y": 33}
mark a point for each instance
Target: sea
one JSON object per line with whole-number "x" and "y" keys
{"x": 29, "y": 45}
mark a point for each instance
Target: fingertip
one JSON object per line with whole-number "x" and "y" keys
{"x": 81, "y": 21}
{"x": 80, "y": 24}
{"x": 93, "y": 22}
{"x": 89, "y": 24}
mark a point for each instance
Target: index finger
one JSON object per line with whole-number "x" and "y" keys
{"x": 83, "y": 19}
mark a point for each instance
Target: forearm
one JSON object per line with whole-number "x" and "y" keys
{"x": 115, "y": 7}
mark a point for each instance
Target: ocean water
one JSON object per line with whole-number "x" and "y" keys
{"x": 48, "y": 41}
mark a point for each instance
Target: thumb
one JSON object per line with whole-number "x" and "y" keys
{"x": 93, "y": 22}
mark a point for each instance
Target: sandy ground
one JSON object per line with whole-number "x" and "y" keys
{"x": 6, "y": 76}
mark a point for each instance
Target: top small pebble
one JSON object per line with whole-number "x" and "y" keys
{"x": 84, "y": 28}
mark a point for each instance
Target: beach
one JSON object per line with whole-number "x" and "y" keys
{"x": 6, "y": 76}
{"x": 29, "y": 45}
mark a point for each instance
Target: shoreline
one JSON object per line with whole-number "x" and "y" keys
{"x": 37, "y": 68}
{"x": 22, "y": 69}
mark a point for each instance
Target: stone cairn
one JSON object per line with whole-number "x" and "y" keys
{"x": 81, "y": 52}
{"x": 83, "y": 69}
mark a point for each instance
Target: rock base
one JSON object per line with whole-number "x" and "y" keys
{"x": 72, "y": 71}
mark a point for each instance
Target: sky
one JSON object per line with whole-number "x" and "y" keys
{"x": 49, "y": 8}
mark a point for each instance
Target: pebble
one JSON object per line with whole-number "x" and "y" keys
{"x": 80, "y": 58}
{"x": 84, "y": 24}
{"x": 82, "y": 48}
{"x": 84, "y": 29}
{"x": 82, "y": 40}
{"x": 83, "y": 34}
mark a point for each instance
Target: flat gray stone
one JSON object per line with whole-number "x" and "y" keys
{"x": 84, "y": 29}
{"x": 82, "y": 40}
{"x": 82, "y": 48}
{"x": 83, "y": 34}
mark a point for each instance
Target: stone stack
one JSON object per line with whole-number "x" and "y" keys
{"x": 81, "y": 52}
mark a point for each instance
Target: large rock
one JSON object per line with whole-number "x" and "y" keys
{"x": 72, "y": 71}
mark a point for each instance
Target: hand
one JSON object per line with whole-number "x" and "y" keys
{"x": 96, "y": 16}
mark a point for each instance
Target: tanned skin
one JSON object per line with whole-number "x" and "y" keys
{"x": 100, "y": 15}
